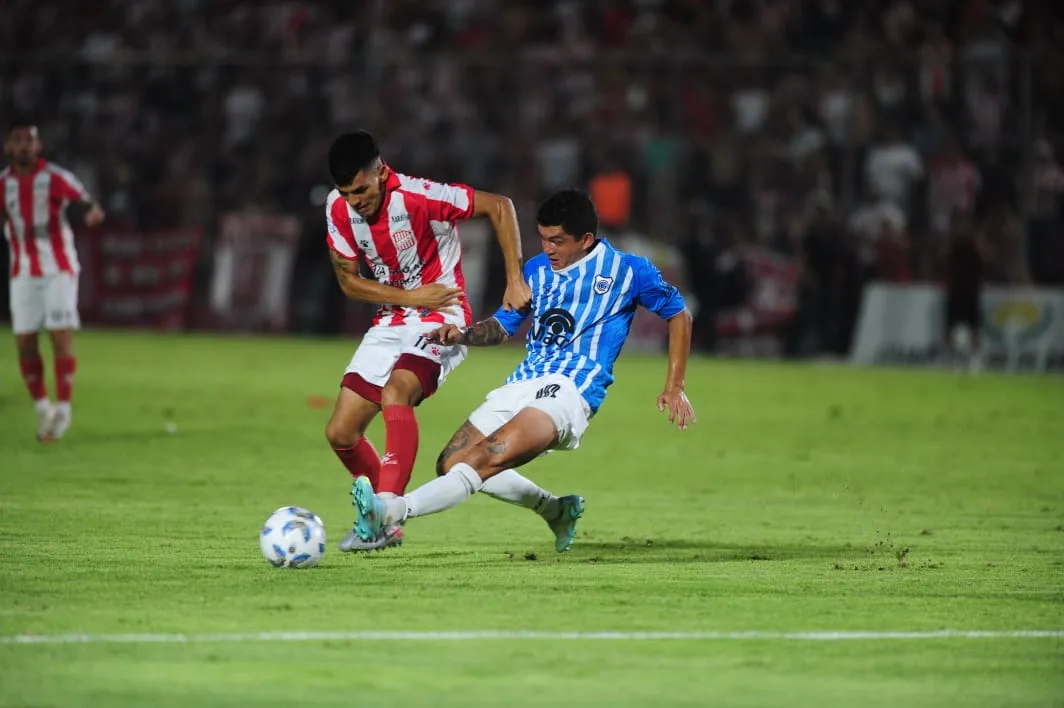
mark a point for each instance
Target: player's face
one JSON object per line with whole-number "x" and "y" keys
{"x": 23, "y": 146}
{"x": 366, "y": 191}
{"x": 562, "y": 249}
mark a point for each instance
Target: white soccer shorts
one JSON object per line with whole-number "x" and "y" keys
{"x": 382, "y": 346}
{"x": 554, "y": 394}
{"x": 49, "y": 302}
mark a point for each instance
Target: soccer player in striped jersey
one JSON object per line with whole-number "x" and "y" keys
{"x": 584, "y": 296}
{"x": 405, "y": 230}
{"x": 34, "y": 196}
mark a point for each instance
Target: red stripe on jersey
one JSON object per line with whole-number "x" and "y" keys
{"x": 381, "y": 230}
{"x": 428, "y": 248}
{"x": 25, "y": 207}
{"x": 459, "y": 279}
{"x": 16, "y": 251}
{"x": 341, "y": 219}
{"x": 55, "y": 231}
{"x": 6, "y": 226}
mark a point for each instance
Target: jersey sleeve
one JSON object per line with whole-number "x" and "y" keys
{"x": 341, "y": 237}
{"x": 448, "y": 202}
{"x": 654, "y": 293}
{"x": 70, "y": 187}
{"x": 511, "y": 321}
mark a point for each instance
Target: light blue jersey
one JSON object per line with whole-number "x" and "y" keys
{"x": 582, "y": 313}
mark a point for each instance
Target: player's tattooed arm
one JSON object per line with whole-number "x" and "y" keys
{"x": 486, "y": 333}
{"x": 355, "y": 287}
{"x": 343, "y": 265}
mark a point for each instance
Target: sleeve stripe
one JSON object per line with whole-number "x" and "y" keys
{"x": 68, "y": 178}
{"x": 341, "y": 236}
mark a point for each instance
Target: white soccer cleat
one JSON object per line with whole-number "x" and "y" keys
{"x": 60, "y": 421}
{"x": 45, "y": 420}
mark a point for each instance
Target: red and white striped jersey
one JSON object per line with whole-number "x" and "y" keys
{"x": 33, "y": 212}
{"x": 413, "y": 241}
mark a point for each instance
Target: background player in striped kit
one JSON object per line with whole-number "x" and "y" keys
{"x": 585, "y": 294}
{"x": 34, "y": 196}
{"x": 405, "y": 229}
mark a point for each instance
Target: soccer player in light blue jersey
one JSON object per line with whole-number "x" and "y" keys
{"x": 584, "y": 295}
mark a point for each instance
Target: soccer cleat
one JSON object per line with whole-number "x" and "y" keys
{"x": 46, "y": 414}
{"x": 392, "y": 536}
{"x": 60, "y": 422}
{"x": 369, "y": 511}
{"x": 564, "y": 527}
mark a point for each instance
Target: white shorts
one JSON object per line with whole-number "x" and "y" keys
{"x": 554, "y": 394}
{"x": 49, "y": 302}
{"x": 382, "y": 346}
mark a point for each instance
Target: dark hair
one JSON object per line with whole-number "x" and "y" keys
{"x": 570, "y": 209}
{"x": 350, "y": 154}
{"x": 20, "y": 122}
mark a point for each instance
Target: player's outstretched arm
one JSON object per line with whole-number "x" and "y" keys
{"x": 486, "y": 333}
{"x": 681, "y": 412}
{"x": 355, "y": 287}
{"x": 500, "y": 210}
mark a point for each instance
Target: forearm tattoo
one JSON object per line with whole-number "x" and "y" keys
{"x": 485, "y": 333}
{"x": 343, "y": 265}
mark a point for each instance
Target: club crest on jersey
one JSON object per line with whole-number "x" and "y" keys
{"x": 602, "y": 284}
{"x": 404, "y": 239}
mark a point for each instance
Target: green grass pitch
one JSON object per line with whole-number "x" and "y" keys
{"x": 805, "y": 499}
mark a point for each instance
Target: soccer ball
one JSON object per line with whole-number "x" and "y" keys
{"x": 293, "y": 537}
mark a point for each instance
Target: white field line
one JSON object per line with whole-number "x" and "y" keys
{"x": 460, "y": 636}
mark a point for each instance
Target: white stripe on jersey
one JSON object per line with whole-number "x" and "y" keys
{"x": 15, "y": 225}
{"x": 448, "y": 193}
{"x": 613, "y": 310}
{"x": 70, "y": 179}
{"x": 614, "y": 267}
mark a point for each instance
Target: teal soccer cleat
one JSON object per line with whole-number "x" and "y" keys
{"x": 564, "y": 527}
{"x": 369, "y": 511}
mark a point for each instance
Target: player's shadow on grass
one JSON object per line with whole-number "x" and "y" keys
{"x": 708, "y": 551}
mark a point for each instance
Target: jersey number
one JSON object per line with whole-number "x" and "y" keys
{"x": 550, "y": 391}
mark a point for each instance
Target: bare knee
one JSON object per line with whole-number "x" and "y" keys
{"x": 62, "y": 342}
{"x": 27, "y": 346}
{"x": 480, "y": 457}
{"x": 341, "y": 437}
{"x": 446, "y": 461}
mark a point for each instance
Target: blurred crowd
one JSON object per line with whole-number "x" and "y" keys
{"x": 862, "y": 139}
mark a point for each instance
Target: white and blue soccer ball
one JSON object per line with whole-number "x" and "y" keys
{"x": 293, "y": 537}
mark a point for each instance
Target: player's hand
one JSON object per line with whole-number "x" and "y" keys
{"x": 517, "y": 297}
{"x": 448, "y": 334}
{"x": 435, "y": 296}
{"x": 94, "y": 216}
{"x": 681, "y": 412}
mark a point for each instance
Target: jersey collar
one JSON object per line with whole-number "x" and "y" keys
{"x": 600, "y": 244}
{"x": 37, "y": 167}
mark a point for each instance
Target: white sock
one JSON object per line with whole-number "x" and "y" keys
{"x": 42, "y": 404}
{"x": 63, "y": 407}
{"x": 509, "y": 486}
{"x": 450, "y": 490}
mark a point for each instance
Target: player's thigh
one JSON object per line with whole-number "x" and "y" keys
{"x": 376, "y": 354}
{"x": 61, "y": 302}
{"x": 351, "y": 415}
{"x": 464, "y": 438}
{"x": 558, "y": 397}
{"x": 27, "y": 305}
{"x": 430, "y": 363}
{"x": 522, "y": 439}
{"x": 499, "y": 406}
